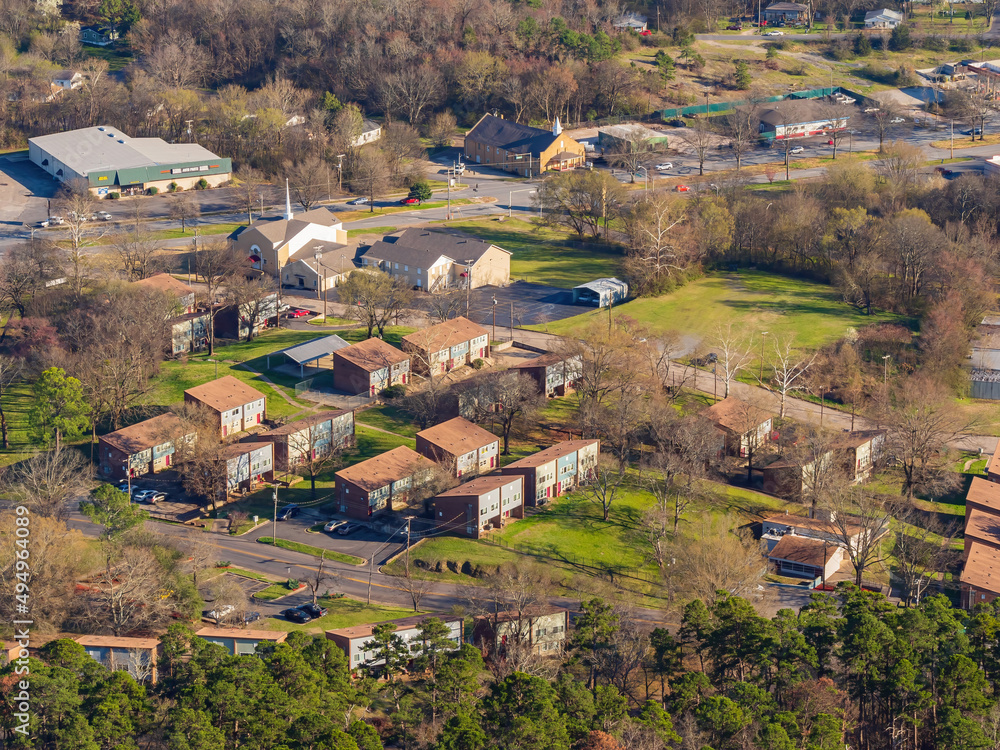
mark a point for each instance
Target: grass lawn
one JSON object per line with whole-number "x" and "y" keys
{"x": 393, "y": 334}
{"x": 372, "y": 443}
{"x": 570, "y": 538}
{"x": 275, "y": 591}
{"x": 965, "y": 141}
{"x": 307, "y": 549}
{"x": 16, "y": 403}
{"x": 344, "y": 613}
{"x": 388, "y": 417}
{"x": 203, "y": 229}
{"x": 542, "y": 255}
{"x": 370, "y": 230}
{"x": 813, "y": 313}
{"x": 118, "y": 55}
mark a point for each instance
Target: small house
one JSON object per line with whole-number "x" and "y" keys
{"x": 172, "y": 288}
{"x": 308, "y": 439}
{"x": 556, "y": 470}
{"x": 745, "y": 425}
{"x": 380, "y": 484}
{"x": 883, "y": 18}
{"x": 355, "y": 641}
{"x": 371, "y": 131}
{"x": 240, "y": 641}
{"x": 370, "y": 367}
{"x": 146, "y": 447}
{"x": 68, "y": 79}
{"x": 631, "y": 22}
{"x": 137, "y": 656}
{"x": 804, "y": 556}
{"x": 543, "y": 630}
{"x": 600, "y": 292}
{"x": 555, "y": 373}
{"x": 445, "y": 346}
{"x": 98, "y": 36}
{"x": 796, "y": 118}
{"x": 481, "y": 505}
{"x": 458, "y": 443}
{"x": 780, "y": 13}
{"x": 980, "y": 579}
{"x": 236, "y": 405}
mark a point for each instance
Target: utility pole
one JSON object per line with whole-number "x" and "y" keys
{"x": 408, "y": 519}
{"x": 468, "y": 285}
{"x": 760, "y": 375}
{"x": 953, "y": 139}
{"x": 340, "y": 171}
{"x": 494, "y": 318}
{"x": 371, "y": 569}
{"x": 274, "y": 520}
{"x": 318, "y": 255}
{"x": 447, "y": 214}
{"x": 512, "y": 320}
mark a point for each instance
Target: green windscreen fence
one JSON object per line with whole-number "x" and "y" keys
{"x": 701, "y": 109}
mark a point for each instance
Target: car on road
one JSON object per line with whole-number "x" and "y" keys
{"x": 774, "y": 33}
{"x": 973, "y": 131}
{"x": 735, "y": 27}
{"x": 103, "y": 215}
{"x": 682, "y": 189}
{"x": 358, "y": 201}
{"x": 408, "y": 201}
{"x": 348, "y": 528}
{"x": 298, "y": 312}
{"x": 334, "y": 525}
{"x": 56, "y": 221}
{"x": 796, "y": 150}
{"x": 314, "y": 610}
{"x": 897, "y": 120}
{"x": 295, "y": 614}
{"x": 665, "y": 166}
{"x": 289, "y": 511}
{"x": 871, "y": 110}
{"x": 944, "y": 171}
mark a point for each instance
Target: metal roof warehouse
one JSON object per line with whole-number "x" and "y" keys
{"x": 111, "y": 161}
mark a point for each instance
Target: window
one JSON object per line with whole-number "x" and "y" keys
{"x": 397, "y": 266}
{"x": 406, "y": 267}
{"x": 418, "y": 270}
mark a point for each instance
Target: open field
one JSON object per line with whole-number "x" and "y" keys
{"x": 543, "y": 255}
{"x": 387, "y": 417}
{"x": 813, "y": 313}
{"x": 370, "y": 230}
{"x": 344, "y": 613}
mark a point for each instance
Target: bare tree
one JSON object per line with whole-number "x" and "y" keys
{"x": 658, "y": 249}
{"x": 249, "y": 182}
{"x": 255, "y": 300}
{"x": 838, "y": 115}
{"x": 202, "y": 554}
{"x": 374, "y": 298}
{"x": 215, "y": 264}
{"x": 899, "y": 166}
{"x": 512, "y": 397}
{"x": 859, "y": 519}
{"x": 10, "y": 372}
{"x": 136, "y": 247}
{"x": 922, "y": 548}
{"x": 631, "y": 149}
{"x": 47, "y": 482}
{"x": 369, "y": 174}
{"x": 603, "y": 489}
{"x": 229, "y": 600}
{"x": 881, "y": 119}
{"x": 316, "y": 451}
{"x": 723, "y": 561}
{"x": 701, "y": 138}
{"x": 309, "y": 179}
{"x": 77, "y": 205}
{"x": 743, "y": 129}
{"x": 447, "y": 304}
{"x": 735, "y": 352}
{"x": 320, "y": 577}
{"x": 184, "y": 208}
{"x": 127, "y": 594}
{"x": 789, "y": 367}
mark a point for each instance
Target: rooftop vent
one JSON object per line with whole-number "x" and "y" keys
{"x": 111, "y": 135}
{"x": 121, "y": 141}
{"x": 101, "y": 129}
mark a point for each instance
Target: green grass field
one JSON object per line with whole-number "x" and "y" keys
{"x": 332, "y": 321}
{"x": 542, "y": 255}
{"x": 308, "y": 549}
{"x": 813, "y": 313}
{"x": 370, "y": 230}
{"x": 388, "y": 417}
{"x": 189, "y": 233}
{"x": 344, "y": 613}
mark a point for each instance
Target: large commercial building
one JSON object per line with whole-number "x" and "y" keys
{"x": 111, "y": 161}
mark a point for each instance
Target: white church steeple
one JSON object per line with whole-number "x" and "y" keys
{"x": 288, "y": 202}
{"x": 556, "y": 128}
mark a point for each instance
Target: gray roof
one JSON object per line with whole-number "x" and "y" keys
{"x": 331, "y": 254}
{"x": 883, "y": 12}
{"x": 368, "y": 126}
{"x": 103, "y": 148}
{"x": 787, "y": 6}
{"x": 278, "y": 230}
{"x": 315, "y": 349}
{"x": 510, "y": 135}
{"x": 604, "y": 285}
{"x": 421, "y": 247}
{"x": 795, "y": 112}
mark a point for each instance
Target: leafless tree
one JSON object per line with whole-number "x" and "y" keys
{"x": 859, "y": 520}
{"x": 316, "y": 450}
{"x": 899, "y": 166}
{"x": 513, "y": 397}
{"x": 135, "y": 247}
{"x": 416, "y": 587}
{"x": 202, "y": 554}
{"x": 320, "y": 577}
{"x": 23, "y": 272}
{"x": 442, "y": 129}
{"x": 249, "y": 181}
{"x": 743, "y": 129}
{"x": 735, "y": 352}
{"x": 47, "y": 482}
{"x": 789, "y": 367}
{"x": 447, "y": 304}
{"x": 412, "y": 89}
{"x": 400, "y": 143}
{"x": 658, "y": 248}
{"x": 723, "y": 561}
{"x": 662, "y": 348}
{"x": 922, "y": 548}
{"x": 184, "y": 208}
{"x": 838, "y": 115}
{"x": 127, "y": 594}
{"x": 77, "y": 205}
{"x": 701, "y": 137}
{"x": 215, "y": 264}
{"x": 11, "y": 370}
{"x": 309, "y": 179}
{"x": 881, "y": 119}
{"x": 255, "y": 300}
{"x": 603, "y": 489}
{"x": 369, "y": 174}
{"x": 425, "y": 405}
{"x": 631, "y": 150}
{"x": 374, "y": 298}
{"x": 227, "y": 594}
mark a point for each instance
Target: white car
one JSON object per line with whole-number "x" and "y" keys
{"x": 796, "y": 150}
{"x": 774, "y": 33}
{"x": 358, "y": 201}
{"x": 103, "y": 215}
{"x": 56, "y": 221}
{"x": 897, "y": 120}
{"x": 334, "y": 525}
{"x": 665, "y": 166}
{"x": 73, "y": 216}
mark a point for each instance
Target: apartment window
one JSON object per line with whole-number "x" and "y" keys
{"x": 406, "y": 267}
{"x": 418, "y": 270}
{"x": 397, "y": 266}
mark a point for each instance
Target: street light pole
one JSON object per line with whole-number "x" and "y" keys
{"x": 510, "y": 200}
{"x": 274, "y": 520}
{"x": 760, "y": 374}
{"x": 885, "y": 370}
{"x": 494, "y": 318}
{"x": 319, "y": 262}
{"x": 468, "y": 285}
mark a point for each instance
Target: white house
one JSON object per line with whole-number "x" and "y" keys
{"x": 883, "y": 18}
{"x": 371, "y": 131}
{"x": 68, "y": 79}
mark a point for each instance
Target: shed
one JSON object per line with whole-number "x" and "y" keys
{"x": 600, "y": 292}
{"x": 310, "y": 351}
{"x": 629, "y": 133}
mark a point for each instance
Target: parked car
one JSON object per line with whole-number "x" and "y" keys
{"x": 897, "y": 120}
{"x": 358, "y": 201}
{"x": 220, "y": 613}
{"x": 677, "y": 123}
{"x": 460, "y": 168}
{"x": 298, "y": 312}
{"x": 647, "y": 32}
{"x": 146, "y": 496}
{"x": 348, "y": 528}
{"x": 774, "y": 33}
{"x": 735, "y": 27}
{"x": 408, "y": 201}
{"x": 870, "y": 110}
{"x": 56, "y": 221}
{"x": 796, "y": 150}
{"x": 289, "y": 511}
{"x": 665, "y": 166}
{"x": 73, "y": 215}
{"x": 944, "y": 171}
{"x": 249, "y": 617}
{"x": 682, "y": 189}
{"x": 334, "y": 525}
{"x": 103, "y": 215}
{"x": 296, "y": 615}
{"x": 314, "y": 610}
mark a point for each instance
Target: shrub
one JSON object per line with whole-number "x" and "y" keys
{"x": 153, "y": 190}
{"x": 862, "y": 46}
{"x": 467, "y": 568}
{"x": 478, "y": 364}
{"x": 394, "y": 392}
{"x": 114, "y": 196}
{"x": 962, "y": 44}
{"x": 452, "y": 565}
{"x": 743, "y": 78}
{"x": 201, "y": 184}
{"x": 223, "y": 564}
{"x": 934, "y": 43}
{"x": 900, "y": 39}
{"x": 291, "y": 584}
{"x": 173, "y": 187}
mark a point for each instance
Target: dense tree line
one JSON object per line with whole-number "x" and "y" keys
{"x": 849, "y": 669}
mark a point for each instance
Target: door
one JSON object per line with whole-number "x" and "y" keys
{"x": 258, "y": 417}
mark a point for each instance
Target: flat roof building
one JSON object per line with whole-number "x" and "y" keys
{"x": 111, "y": 161}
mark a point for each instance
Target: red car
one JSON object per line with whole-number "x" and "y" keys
{"x": 409, "y": 201}
{"x": 682, "y": 188}
{"x": 647, "y": 32}
{"x": 298, "y": 312}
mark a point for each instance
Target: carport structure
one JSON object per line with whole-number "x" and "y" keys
{"x": 310, "y": 351}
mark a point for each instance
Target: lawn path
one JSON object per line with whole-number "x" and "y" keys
{"x": 277, "y": 388}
